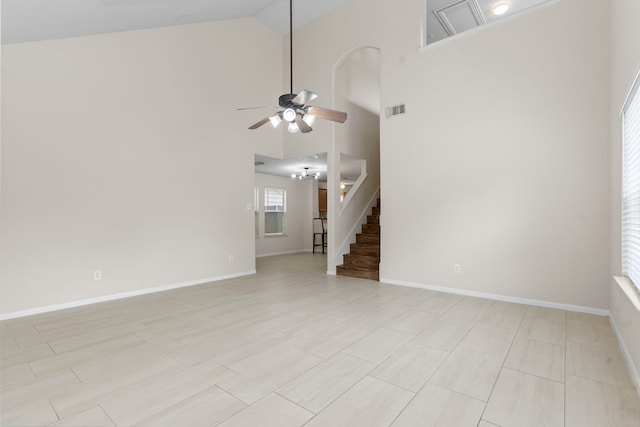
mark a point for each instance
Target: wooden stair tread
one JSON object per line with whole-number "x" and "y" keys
{"x": 363, "y": 259}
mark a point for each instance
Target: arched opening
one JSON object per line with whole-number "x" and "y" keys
{"x": 354, "y": 156}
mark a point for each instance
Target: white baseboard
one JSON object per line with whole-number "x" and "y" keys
{"x": 297, "y": 251}
{"x": 516, "y": 300}
{"x": 631, "y": 367}
{"x": 112, "y": 297}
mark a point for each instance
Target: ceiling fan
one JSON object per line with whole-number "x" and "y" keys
{"x": 295, "y": 108}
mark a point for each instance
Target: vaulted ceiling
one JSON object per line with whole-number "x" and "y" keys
{"x": 32, "y": 20}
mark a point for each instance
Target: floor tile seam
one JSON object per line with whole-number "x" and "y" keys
{"x": 183, "y": 401}
{"x": 532, "y": 375}
{"x": 107, "y": 415}
{"x": 53, "y": 409}
{"x": 393, "y": 384}
{"x": 480, "y": 322}
{"x": 374, "y": 362}
{"x": 613, "y": 343}
{"x": 596, "y": 344}
{"x": 499, "y": 356}
{"x": 279, "y": 386}
{"x": 134, "y": 385}
{"x": 8, "y": 388}
{"x": 171, "y": 389}
{"x": 341, "y": 394}
{"x": 65, "y": 366}
{"x": 421, "y": 330}
{"x": 415, "y": 395}
{"x": 377, "y": 379}
{"x": 76, "y": 375}
{"x": 563, "y": 346}
{"x": 493, "y": 387}
{"x": 102, "y": 341}
{"x": 617, "y": 386}
{"x": 297, "y": 404}
{"x": 463, "y": 394}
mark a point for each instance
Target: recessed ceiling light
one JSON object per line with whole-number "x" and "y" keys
{"x": 501, "y": 8}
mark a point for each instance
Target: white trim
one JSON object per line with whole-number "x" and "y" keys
{"x": 356, "y": 186}
{"x": 634, "y": 85}
{"x": 517, "y": 300}
{"x": 351, "y": 237}
{"x": 332, "y": 272}
{"x": 297, "y": 251}
{"x": 113, "y": 297}
{"x": 628, "y": 288}
{"x": 633, "y": 372}
{"x": 424, "y": 47}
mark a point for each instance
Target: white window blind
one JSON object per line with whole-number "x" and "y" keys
{"x": 274, "y": 210}
{"x": 631, "y": 186}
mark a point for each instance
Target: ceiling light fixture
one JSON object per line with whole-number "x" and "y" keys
{"x": 289, "y": 114}
{"x": 309, "y": 119}
{"x": 275, "y": 120}
{"x": 501, "y": 8}
{"x": 306, "y": 175}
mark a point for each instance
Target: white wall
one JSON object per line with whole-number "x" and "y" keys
{"x": 298, "y": 227}
{"x": 124, "y": 153}
{"x": 625, "y": 60}
{"x": 501, "y": 163}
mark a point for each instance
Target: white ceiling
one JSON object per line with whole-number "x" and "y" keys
{"x": 32, "y": 20}
{"x": 286, "y": 167}
{"x": 350, "y": 167}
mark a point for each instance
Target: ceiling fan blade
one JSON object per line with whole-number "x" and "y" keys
{"x": 304, "y": 97}
{"x": 327, "y": 114}
{"x": 302, "y": 125}
{"x": 260, "y": 123}
{"x": 254, "y": 108}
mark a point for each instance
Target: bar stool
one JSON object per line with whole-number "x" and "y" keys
{"x": 319, "y": 230}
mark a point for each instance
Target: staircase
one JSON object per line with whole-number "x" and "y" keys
{"x": 363, "y": 258}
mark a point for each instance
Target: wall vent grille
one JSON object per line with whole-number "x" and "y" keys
{"x": 396, "y": 110}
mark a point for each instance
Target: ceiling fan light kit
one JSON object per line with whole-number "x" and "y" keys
{"x": 295, "y": 109}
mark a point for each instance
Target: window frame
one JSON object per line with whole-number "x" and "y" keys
{"x": 268, "y": 210}
{"x": 256, "y": 209}
{"x": 630, "y": 186}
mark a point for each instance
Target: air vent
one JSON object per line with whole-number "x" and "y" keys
{"x": 460, "y": 16}
{"x": 396, "y": 110}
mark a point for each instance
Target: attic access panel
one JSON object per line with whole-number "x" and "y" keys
{"x": 446, "y": 18}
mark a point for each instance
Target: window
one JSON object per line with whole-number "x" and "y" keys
{"x": 631, "y": 186}
{"x": 256, "y": 208}
{"x": 275, "y": 206}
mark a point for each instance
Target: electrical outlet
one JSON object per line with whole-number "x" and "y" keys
{"x": 457, "y": 268}
{"x": 230, "y": 258}
{"x": 97, "y": 275}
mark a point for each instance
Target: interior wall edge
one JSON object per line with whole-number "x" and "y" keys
{"x": 631, "y": 367}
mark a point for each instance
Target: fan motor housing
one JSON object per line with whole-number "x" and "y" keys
{"x": 286, "y": 100}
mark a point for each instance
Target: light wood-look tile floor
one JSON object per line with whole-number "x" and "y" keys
{"x": 291, "y": 346}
